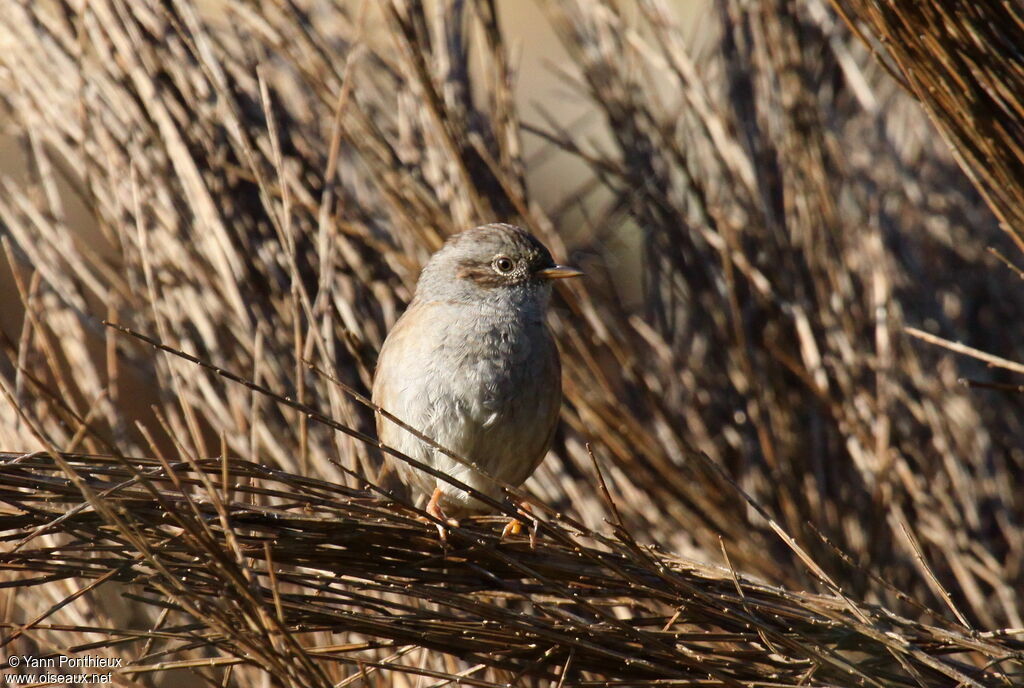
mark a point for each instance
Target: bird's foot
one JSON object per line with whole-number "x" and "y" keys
{"x": 515, "y": 525}
{"x": 434, "y": 509}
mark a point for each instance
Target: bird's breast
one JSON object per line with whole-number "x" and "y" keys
{"x": 468, "y": 377}
{"x": 484, "y": 386}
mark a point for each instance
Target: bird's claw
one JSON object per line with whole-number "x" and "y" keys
{"x": 515, "y": 525}
{"x": 434, "y": 509}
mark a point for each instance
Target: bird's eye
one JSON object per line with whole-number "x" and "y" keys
{"x": 503, "y": 265}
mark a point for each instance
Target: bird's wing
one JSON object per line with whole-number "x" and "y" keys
{"x": 388, "y": 376}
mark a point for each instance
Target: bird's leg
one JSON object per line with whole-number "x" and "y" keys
{"x": 515, "y": 526}
{"x": 434, "y": 509}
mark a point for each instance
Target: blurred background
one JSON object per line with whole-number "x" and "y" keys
{"x": 760, "y": 206}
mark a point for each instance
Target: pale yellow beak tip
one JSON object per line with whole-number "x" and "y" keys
{"x": 559, "y": 272}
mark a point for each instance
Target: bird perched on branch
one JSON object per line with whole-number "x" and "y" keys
{"x": 472, "y": 365}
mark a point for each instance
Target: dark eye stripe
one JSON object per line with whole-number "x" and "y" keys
{"x": 481, "y": 274}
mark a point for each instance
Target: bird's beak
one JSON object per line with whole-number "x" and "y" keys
{"x": 559, "y": 272}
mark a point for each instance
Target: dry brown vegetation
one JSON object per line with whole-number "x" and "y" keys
{"x": 761, "y": 479}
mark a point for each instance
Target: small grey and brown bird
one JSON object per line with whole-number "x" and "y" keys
{"x": 472, "y": 365}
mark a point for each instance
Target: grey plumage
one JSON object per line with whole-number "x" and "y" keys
{"x": 472, "y": 364}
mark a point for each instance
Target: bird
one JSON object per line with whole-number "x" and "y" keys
{"x": 472, "y": 365}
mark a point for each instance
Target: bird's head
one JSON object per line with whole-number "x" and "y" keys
{"x": 495, "y": 264}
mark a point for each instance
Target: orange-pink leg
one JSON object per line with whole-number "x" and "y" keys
{"x": 515, "y": 526}
{"x": 434, "y": 509}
